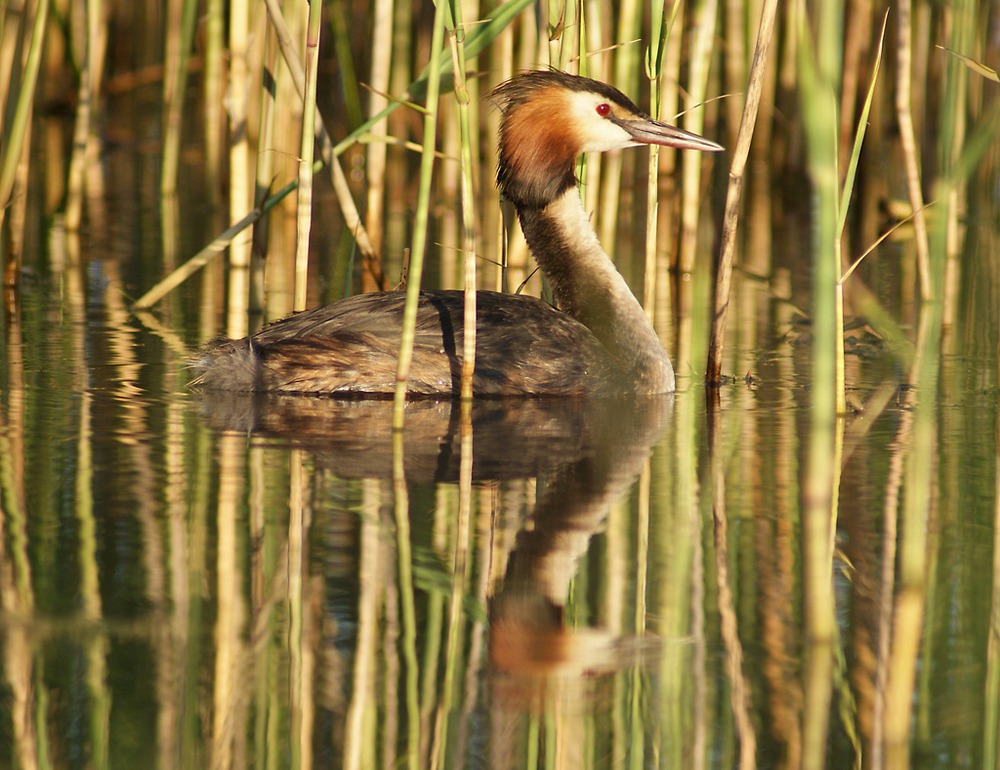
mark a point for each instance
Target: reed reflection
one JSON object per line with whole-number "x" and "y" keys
{"x": 576, "y": 458}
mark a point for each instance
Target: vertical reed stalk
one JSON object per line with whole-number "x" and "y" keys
{"x": 10, "y": 26}
{"x": 728, "y": 622}
{"x": 991, "y": 689}
{"x": 264, "y": 170}
{"x": 10, "y": 154}
{"x": 459, "y": 581}
{"x": 178, "y": 48}
{"x": 702, "y": 49}
{"x": 556, "y": 26}
{"x": 226, "y": 682}
{"x": 908, "y": 141}
{"x": 654, "y": 72}
{"x": 737, "y": 167}
{"x": 349, "y": 88}
{"x": 667, "y": 246}
{"x": 950, "y": 144}
{"x": 913, "y": 472}
{"x": 736, "y": 16}
{"x": 90, "y": 597}
{"x": 375, "y": 166}
{"x": 416, "y": 269}
{"x": 306, "y": 153}
{"x": 360, "y": 708}
{"x": 212, "y": 105}
{"x": 856, "y": 37}
{"x": 90, "y": 74}
{"x": 845, "y": 200}
{"x": 239, "y": 160}
{"x": 404, "y": 571}
{"x": 297, "y": 539}
{"x": 626, "y": 67}
{"x": 678, "y": 614}
{"x": 328, "y": 151}
{"x": 640, "y": 618}
{"x": 457, "y": 38}
{"x": 819, "y": 65}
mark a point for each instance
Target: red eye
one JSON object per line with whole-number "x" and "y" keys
{"x": 603, "y": 109}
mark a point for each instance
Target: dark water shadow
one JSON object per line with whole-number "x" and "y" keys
{"x": 513, "y": 438}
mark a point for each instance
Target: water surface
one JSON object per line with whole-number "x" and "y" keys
{"x": 198, "y": 582}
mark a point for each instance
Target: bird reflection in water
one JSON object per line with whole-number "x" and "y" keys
{"x": 585, "y": 454}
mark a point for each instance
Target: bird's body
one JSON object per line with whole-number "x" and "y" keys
{"x": 342, "y": 349}
{"x": 599, "y": 342}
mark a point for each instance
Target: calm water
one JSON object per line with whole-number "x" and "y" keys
{"x": 275, "y": 583}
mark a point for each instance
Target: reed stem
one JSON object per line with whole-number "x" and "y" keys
{"x": 10, "y": 154}
{"x": 174, "y": 88}
{"x": 908, "y": 141}
{"x": 404, "y": 574}
{"x": 818, "y": 70}
{"x": 240, "y": 193}
{"x": 751, "y": 108}
{"x": 377, "y": 151}
{"x": 705, "y": 21}
{"x": 306, "y": 152}
{"x": 416, "y": 268}
{"x": 457, "y": 38}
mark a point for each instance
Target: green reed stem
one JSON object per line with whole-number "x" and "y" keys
{"x": 556, "y": 29}
{"x": 306, "y": 153}
{"x": 456, "y": 31}
{"x": 90, "y": 589}
{"x": 626, "y": 67}
{"x": 377, "y": 151}
{"x": 90, "y": 75}
{"x": 741, "y": 152}
{"x": 214, "y": 29}
{"x": 337, "y": 179}
{"x": 845, "y": 200}
{"x": 818, "y": 73}
{"x": 10, "y": 153}
{"x": 416, "y": 268}
{"x": 174, "y": 90}
{"x": 859, "y": 135}
{"x": 404, "y": 575}
{"x": 908, "y": 141}
{"x": 705, "y": 18}
{"x": 345, "y": 62}
{"x": 240, "y": 185}
{"x": 459, "y": 582}
{"x": 991, "y": 688}
{"x": 819, "y": 110}
{"x": 298, "y": 537}
{"x": 264, "y": 171}
{"x": 661, "y": 27}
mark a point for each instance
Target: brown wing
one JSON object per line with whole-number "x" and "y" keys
{"x": 523, "y": 347}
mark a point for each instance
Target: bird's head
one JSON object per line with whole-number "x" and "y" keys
{"x": 548, "y": 118}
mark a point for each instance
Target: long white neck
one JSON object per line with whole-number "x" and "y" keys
{"x": 589, "y": 288}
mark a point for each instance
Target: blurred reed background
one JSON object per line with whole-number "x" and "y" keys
{"x": 231, "y": 80}
{"x": 209, "y": 99}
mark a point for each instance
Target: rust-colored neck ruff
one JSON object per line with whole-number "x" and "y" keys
{"x": 537, "y": 151}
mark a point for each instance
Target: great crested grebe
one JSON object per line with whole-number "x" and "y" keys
{"x": 599, "y": 343}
